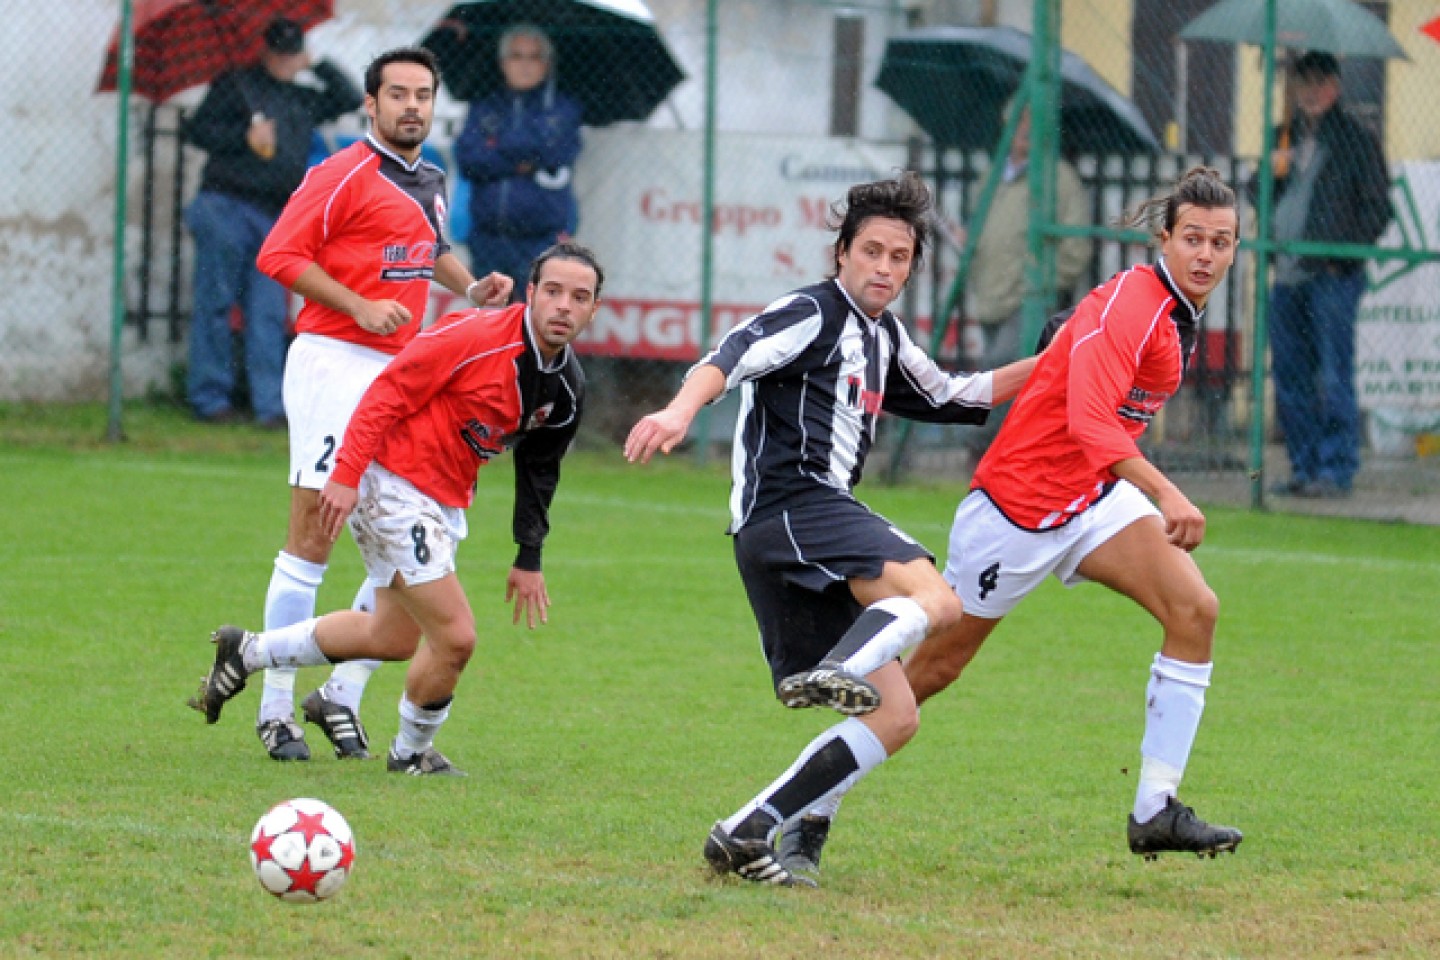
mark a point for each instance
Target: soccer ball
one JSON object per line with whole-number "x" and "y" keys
{"x": 302, "y": 851}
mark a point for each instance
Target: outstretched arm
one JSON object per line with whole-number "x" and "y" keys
{"x": 491, "y": 290}
{"x": 1010, "y": 378}
{"x": 664, "y": 429}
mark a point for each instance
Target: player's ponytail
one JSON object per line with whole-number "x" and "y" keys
{"x": 1198, "y": 186}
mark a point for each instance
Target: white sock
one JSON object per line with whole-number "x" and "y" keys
{"x": 292, "y": 646}
{"x": 347, "y": 681}
{"x": 290, "y": 599}
{"x": 417, "y": 727}
{"x": 907, "y": 629}
{"x": 826, "y": 808}
{"x": 1174, "y": 702}
{"x": 869, "y": 753}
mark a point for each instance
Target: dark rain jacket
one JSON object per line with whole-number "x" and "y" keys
{"x": 1351, "y": 199}
{"x": 220, "y": 123}
{"x": 517, "y": 150}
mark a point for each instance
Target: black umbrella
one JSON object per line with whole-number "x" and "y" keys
{"x": 608, "y": 54}
{"x": 955, "y": 80}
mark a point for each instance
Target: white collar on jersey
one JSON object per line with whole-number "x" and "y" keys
{"x": 853, "y": 305}
{"x": 387, "y": 152}
{"x": 560, "y": 358}
{"x": 1165, "y": 275}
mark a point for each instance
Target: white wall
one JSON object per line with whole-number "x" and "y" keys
{"x": 57, "y": 200}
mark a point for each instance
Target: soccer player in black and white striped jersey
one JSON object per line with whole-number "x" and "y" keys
{"x": 837, "y": 590}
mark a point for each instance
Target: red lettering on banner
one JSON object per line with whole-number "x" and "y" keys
{"x": 737, "y": 218}
{"x": 814, "y": 211}
{"x": 656, "y": 329}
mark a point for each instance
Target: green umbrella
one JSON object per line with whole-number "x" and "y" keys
{"x": 1334, "y": 26}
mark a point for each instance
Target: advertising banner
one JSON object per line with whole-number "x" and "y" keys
{"x": 769, "y": 228}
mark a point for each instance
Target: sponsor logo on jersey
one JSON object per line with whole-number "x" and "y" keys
{"x": 1142, "y": 405}
{"x": 860, "y": 398}
{"x": 403, "y": 262}
{"x": 540, "y": 417}
{"x": 484, "y": 441}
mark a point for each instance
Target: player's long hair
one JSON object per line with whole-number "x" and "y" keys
{"x": 904, "y": 198}
{"x": 1198, "y": 186}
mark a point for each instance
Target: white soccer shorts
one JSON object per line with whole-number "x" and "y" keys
{"x": 993, "y": 564}
{"x": 401, "y": 530}
{"x": 324, "y": 381}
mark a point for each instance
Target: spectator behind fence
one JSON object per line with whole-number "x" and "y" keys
{"x": 255, "y": 123}
{"x": 1331, "y": 186}
{"x": 996, "y": 283}
{"x": 517, "y": 149}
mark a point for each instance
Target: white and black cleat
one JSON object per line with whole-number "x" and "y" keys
{"x": 753, "y": 860}
{"x": 339, "y": 723}
{"x": 1177, "y": 829}
{"x": 829, "y": 686}
{"x": 227, "y": 675}
{"x": 283, "y": 739}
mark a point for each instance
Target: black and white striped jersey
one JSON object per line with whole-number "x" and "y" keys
{"x": 815, "y": 372}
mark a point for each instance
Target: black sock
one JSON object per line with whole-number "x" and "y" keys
{"x": 861, "y": 632}
{"x": 823, "y": 772}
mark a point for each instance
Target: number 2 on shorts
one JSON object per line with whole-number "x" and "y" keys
{"x": 323, "y": 464}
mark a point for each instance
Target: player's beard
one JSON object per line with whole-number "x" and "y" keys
{"x": 407, "y": 137}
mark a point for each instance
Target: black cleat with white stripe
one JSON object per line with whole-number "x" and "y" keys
{"x": 753, "y": 860}
{"x": 340, "y": 724}
{"x": 829, "y": 686}
{"x": 227, "y": 676}
{"x": 428, "y": 763}
{"x": 1176, "y": 828}
{"x": 283, "y": 739}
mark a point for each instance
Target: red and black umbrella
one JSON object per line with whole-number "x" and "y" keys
{"x": 183, "y": 43}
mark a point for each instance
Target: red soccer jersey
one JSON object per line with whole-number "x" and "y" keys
{"x": 466, "y": 389}
{"x": 372, "y": 223}
{"x": 1110, "y": 368}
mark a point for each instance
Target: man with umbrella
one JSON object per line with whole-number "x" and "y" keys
{"x": 517, "y": 149}
{"x": 255, "y": 123}
{"x": 1331, "y": 186}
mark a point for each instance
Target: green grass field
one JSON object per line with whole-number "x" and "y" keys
{"x": 602, "y": 747}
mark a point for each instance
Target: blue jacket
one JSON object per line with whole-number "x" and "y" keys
{"x": 517, "y": 149}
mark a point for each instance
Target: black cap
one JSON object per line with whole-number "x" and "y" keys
{"x": 1316, "y": 63}
{"x": 284, "y": 36}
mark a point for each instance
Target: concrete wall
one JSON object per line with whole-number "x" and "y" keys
{"x": 57, "y": 205}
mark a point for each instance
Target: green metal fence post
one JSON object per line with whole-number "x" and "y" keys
{"x": 1044, "y": 148}
{"x": 1262, "y": 261}
{"x": 114, "y": 430}
{"x": 707, "y": 216}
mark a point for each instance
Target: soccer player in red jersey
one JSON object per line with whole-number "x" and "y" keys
{"x": 1064, "y": 490}
{"x": 470, "y": 387}
{"x": 361, "y": 240}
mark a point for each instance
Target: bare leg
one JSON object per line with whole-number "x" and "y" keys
{"x": 943, "y": 655}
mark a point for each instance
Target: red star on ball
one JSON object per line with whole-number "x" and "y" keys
{"x": 304, "y": 878}
{"x": 309, "y": 826}
{"x": 347, "y": 856}
{"x": 261, "y": 847}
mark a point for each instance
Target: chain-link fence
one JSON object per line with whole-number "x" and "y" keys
{"x": 716, "y": 134}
